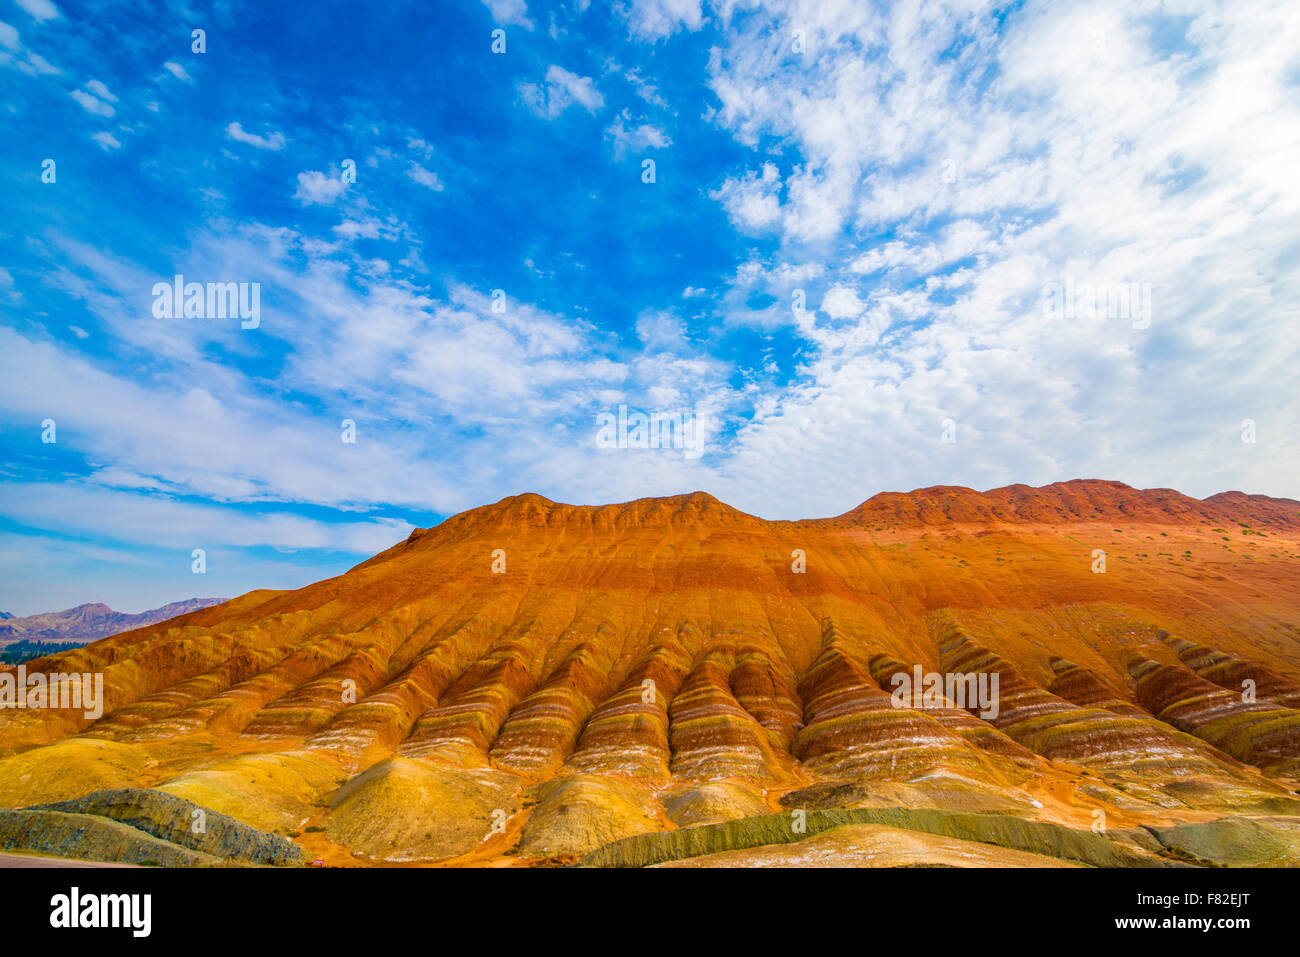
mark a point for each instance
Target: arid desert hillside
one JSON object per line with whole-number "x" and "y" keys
{"x": 674, "y": 681}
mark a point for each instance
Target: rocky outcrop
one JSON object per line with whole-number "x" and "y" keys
{"x": 1034, "y": 837}
{"x": 141, "y": 826}
{"x": 89, "y": 838}
{"x": 182, "y": 823}
{"x": 873, "y": 845}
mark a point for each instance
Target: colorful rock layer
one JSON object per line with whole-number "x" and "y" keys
{"x": 666, "y": 663}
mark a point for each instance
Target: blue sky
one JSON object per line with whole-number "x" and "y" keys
{"x": 922, "y": 179}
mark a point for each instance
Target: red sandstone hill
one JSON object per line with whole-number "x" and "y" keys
{"x": 531, "y": 681}
{"x": 1074, "y": 501}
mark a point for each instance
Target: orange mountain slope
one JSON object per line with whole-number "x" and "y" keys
{"x": 530, "y": 681}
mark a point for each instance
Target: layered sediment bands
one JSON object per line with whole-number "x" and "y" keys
{"x": 872, "y": 845}
{"x": 1035, "y": 837}
{"x": 767, "y": 693}
{"x": 310, "y": 706}
{"x": 853, "y": 729}
{"x": 1084, "y": 688}
{"x": 1236, "y": 674}
{"x": 1261, "y": 733}
{"x": 668, "y": 663}
{"x": 1059, "y": 729}
{"x": 140, "y": 663}
{"x": 896, "y": 677}
{"x": 230, "y": 711}
{"x": 160, "y": 664}
{"x": 156, "y": 707}
{"x": 380, "y": 721}
{"x": 463, "y": 727}
{"x": 315, "y": 703}
{"x": 628, "y": 733}
{"x": 544, "y": 729}
{"x": 710, "y": 734}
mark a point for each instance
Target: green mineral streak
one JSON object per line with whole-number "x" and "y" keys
{"x": 1084, "y": 847}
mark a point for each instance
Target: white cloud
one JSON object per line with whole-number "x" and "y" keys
{"x": 232, "y": 446}
{"x": 316, "y": 187}
{"x": 159, "y": 520}
{"x": 107, "y": 141}
{"x": 39, "y": 9}
{"x": 919, "y": 205}
{"x": 19, "y": 58}
{"x": 274, "y": 141}
{"x": 369, "y": 228}
{"x": 842, "y": 302}
{"x": 37, "y": 65}
{"x": 753, "y": 201}
{"x": 644, "y": 89}
{"x": 562, "y": 90}
{"x": 654, "y": 19}
{"x": 101, "y": 91}
{"x": 636, "y": 138}
{"x": 505, "y": 12}
{"x": 425, "y": 177}
{"x": 660, "y": 330}
{"x": 513, "y": 393}
{"x": 92, "y": 103}
{"x": 1062, "y": 160}
{"x": 178, "y": 71}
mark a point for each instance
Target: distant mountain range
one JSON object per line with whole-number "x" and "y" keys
{"x": 90, "y": 622}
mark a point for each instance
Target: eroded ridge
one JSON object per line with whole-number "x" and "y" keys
{"x": 462, "y": 727}
{"x": 1236, "y": 674}
{"x": 1261, "y": 733}
{"x": 543, "y": 730}
{"x": 852, "y": 728}
{"x": 710, "y": 734}
{"x": 628, "y": 733}
{"x": 897, "y": 678}
{"x": 1091, "y": 737}
{"x": 1083, "y": 687}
